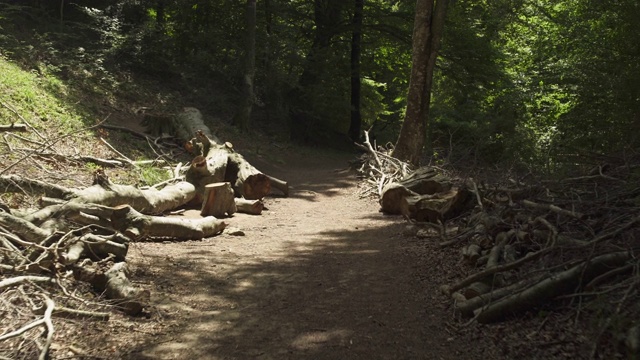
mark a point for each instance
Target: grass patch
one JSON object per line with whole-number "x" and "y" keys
{"x": 37, "y": 97}
{"x": 150, "y": 175}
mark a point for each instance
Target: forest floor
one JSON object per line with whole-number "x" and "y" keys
{"x": 320, "y": 275}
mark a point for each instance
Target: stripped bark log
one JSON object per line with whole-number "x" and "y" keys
{"x": 252, "y": 207}
{"x": 136, "y": 225}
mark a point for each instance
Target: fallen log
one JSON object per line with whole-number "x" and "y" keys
{"x": 114, "y": 283}
{"x": 252, "y": 207}
{"x": 424, "y": 181}
{"x": 207, "y": 170}
{"x": 468, "y": 306}
{"x": 97, "y": 247}
{"x": 148, "y": 201}
{"x": 136, "y": 225}
{"x": 436, "y": 208}
{"x": 247, "y": 181}
{"x": 281, "y": 185}
{"x": 553, "y": 286}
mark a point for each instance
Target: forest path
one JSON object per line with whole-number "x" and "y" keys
{"x": 320, "y": 275}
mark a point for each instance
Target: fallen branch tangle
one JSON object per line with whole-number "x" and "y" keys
{"x": 523, "y": 245}
{"x": 45, "y": 251}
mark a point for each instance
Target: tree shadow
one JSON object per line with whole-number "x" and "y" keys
{"x": 343, "y": 294}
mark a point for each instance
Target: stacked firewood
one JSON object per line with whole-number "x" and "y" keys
{"x": 527, "y": 246}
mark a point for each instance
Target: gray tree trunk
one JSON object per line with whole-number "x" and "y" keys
{"x": 427, "y": 33}
{"x": 244, "y": 112}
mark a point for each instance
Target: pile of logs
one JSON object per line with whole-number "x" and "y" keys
{"x": 82, "y": 235}
{"x": 528, "y": 246}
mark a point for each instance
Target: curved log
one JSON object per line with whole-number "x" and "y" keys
{"x": 136, "y": 225}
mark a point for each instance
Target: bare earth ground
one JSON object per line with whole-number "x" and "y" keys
{"x": 320, "y": 275}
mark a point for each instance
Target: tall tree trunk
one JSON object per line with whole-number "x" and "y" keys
{"x": 427, "y": 33}
{"x": 244, "y": 112}
{"x": 160, "y": 15}
{"x": 327, "y": 20}
{"x": 356, "y": 42}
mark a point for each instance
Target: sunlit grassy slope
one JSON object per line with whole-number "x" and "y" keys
{"x": 40, "y": 99}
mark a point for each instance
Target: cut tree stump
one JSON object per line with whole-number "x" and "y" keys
{"x": 424, "y": 181}
{"x": 438, "y": 207}
{"x": 218, "y": 200}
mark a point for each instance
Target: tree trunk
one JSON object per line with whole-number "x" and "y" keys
{"x": 427, "y": 32}
{"x": 244, "y": 112}
{"x": 356, "y": 41}
{"x": 301, "y": 117}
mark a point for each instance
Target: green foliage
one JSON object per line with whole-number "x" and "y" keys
{"x": 530, "y": 82}
{"x": 36, "y": 96}
{"x": 151, "y": 175}
{"x": 527, "y": 80}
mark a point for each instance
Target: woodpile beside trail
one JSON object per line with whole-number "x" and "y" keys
{"x": 525, "y": 246}
{"x": 81, "y": 236}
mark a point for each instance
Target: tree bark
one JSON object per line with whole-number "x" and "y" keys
{"x": 136, "y": 225}
{"x": 356, "y": 42}
{"x": 427, "y": 33}
{"x": 243, "y": 115}
{"x": 555, "y": 285}
{"x": 114, "y": 283}
{"x": 326, "y": 20}
{"x": 424, "y": 181}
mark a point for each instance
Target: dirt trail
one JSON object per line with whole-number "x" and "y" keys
{"x": 320, "y": 275}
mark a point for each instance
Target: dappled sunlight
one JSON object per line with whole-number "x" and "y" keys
{"x": 312, "y": 340}
{"x": 297, "y": 296}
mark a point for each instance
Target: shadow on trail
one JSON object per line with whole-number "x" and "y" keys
{"x": 344, "y": 294}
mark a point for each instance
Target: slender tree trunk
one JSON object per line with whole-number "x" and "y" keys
{"x": 427, "y": 33}
{"x": 244, "y": 113}
{"x": 327, "y": 20}
{"x": 356, "y": 42}
{"x": 160, "y": 15}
